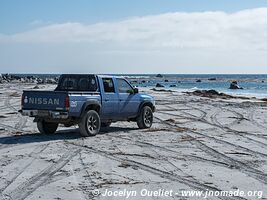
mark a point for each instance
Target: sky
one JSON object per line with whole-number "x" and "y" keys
{"x": 141, "y": 36}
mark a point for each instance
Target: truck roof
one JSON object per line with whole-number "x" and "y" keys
{"x": 99, "y": 75}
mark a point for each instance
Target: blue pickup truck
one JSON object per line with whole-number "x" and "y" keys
{"x": 91, "y": 101}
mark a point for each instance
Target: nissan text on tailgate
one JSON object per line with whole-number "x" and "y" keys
{"x": 91, "y": 101}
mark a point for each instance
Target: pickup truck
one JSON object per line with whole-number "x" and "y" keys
{"x": 91, "y": 101}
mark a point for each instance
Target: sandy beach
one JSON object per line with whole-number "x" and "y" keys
{"x": 195, "y": 143}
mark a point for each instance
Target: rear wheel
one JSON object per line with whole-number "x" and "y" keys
{"x": 145, "y": 119}
{"x": 47, "y": 127}
{"x": 90, "y": 124}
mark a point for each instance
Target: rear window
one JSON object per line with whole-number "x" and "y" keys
{"x": 77, "y": 83}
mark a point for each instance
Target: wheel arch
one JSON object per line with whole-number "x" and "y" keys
{"x": 145, "y": 103}
{"x": 90, "y": 105}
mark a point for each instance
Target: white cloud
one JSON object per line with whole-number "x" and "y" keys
{"x": 195, "y": 40}
{"x": 244, "y": 29}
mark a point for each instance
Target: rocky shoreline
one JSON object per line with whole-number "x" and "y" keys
{"x": 11, "y": 78}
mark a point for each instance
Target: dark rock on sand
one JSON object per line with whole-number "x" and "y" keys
{"x": 166, "y": 80}
{"x": 159, "y": 76}
{"x": 173, "y": 85}
{"x": 234, "y": 86}
{"x": 198, "y": 81}
{"x": 212, "y": 79}
{"x": 159, "y": 85}
{"x": 213, "y": 94}
{"x": 36, "y": 87}
{"x": 161, "y": 90}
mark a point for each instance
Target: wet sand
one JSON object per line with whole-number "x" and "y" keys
{"x": 195, "y": 143}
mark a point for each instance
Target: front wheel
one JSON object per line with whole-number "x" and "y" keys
{"x": 47, "y": 127}
{"x": 90, "y": 124}
{"x": 145, "y": 118}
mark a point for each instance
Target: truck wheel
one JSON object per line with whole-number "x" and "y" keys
{"x": 90, "y": 124}
{"x": 105, "y": 124}
{"x": 145, "y": 119}
{"x": 47, "y": 127}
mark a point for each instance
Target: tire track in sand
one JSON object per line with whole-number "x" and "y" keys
{"x": 243, "y": 167}
{"x": 169, "y": 176}
{"x": 29, "y": 186}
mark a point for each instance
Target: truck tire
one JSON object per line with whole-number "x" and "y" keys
{"x": 145, "y": 118}
{"x": 90, "y": 124}
{"x": 46, "y": 127}
{"x": 105, "y": 124}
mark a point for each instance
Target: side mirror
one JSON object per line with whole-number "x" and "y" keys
{"x": 136, "y": 90}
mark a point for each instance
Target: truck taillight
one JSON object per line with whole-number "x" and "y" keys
{"x": 67, "y": 102}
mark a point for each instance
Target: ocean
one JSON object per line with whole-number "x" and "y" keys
{"x": 254, "y": 85}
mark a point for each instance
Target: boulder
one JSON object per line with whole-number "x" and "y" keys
{"x": 198, "y": 81}
{"x": 159, "y": 85}
{"x": 173, "y": 85}
{"x": 234, "y": 86}
{"x": 159, "y": 76}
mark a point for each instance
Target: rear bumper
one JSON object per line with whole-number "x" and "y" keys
{"x": 45, "y": 113}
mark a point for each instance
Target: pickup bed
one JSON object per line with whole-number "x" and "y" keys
{"x": 91, "y": 101}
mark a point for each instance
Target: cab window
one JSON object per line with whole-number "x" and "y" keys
{"x": 124, "y": 86}
{"x": 108, "y": 85}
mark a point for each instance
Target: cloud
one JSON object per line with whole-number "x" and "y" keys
{"x": 197, "y": 42}
{"x": 241, "y": 30}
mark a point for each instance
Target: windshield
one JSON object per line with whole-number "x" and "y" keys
{"x": 77, "y": 83}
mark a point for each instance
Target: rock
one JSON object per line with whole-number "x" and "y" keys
{"x": 198, "y": 81}
{"x": 36, "y": 87}
{"x": 173, "y": 85}
{"x": 262, "y": 81}
{"x": 159, "y": 76}
{"x": 143, "y": 81}
{"x": 166, "y": 80}
{"x": 213, "y": 94}
{"x": 159, "y": 85}
{"x": 206, "y": 92}
{"x": 212, "y": 79}
{"x": 161, "y": 90}
{"x": 234, "y": 86}
{"x": 50, "y": 81}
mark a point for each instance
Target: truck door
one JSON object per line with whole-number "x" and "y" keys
{"x": 128, "y": 101}
{"x": 110, "y": 101}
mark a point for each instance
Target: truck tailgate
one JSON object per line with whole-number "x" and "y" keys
{"x": 44, "y": 100}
